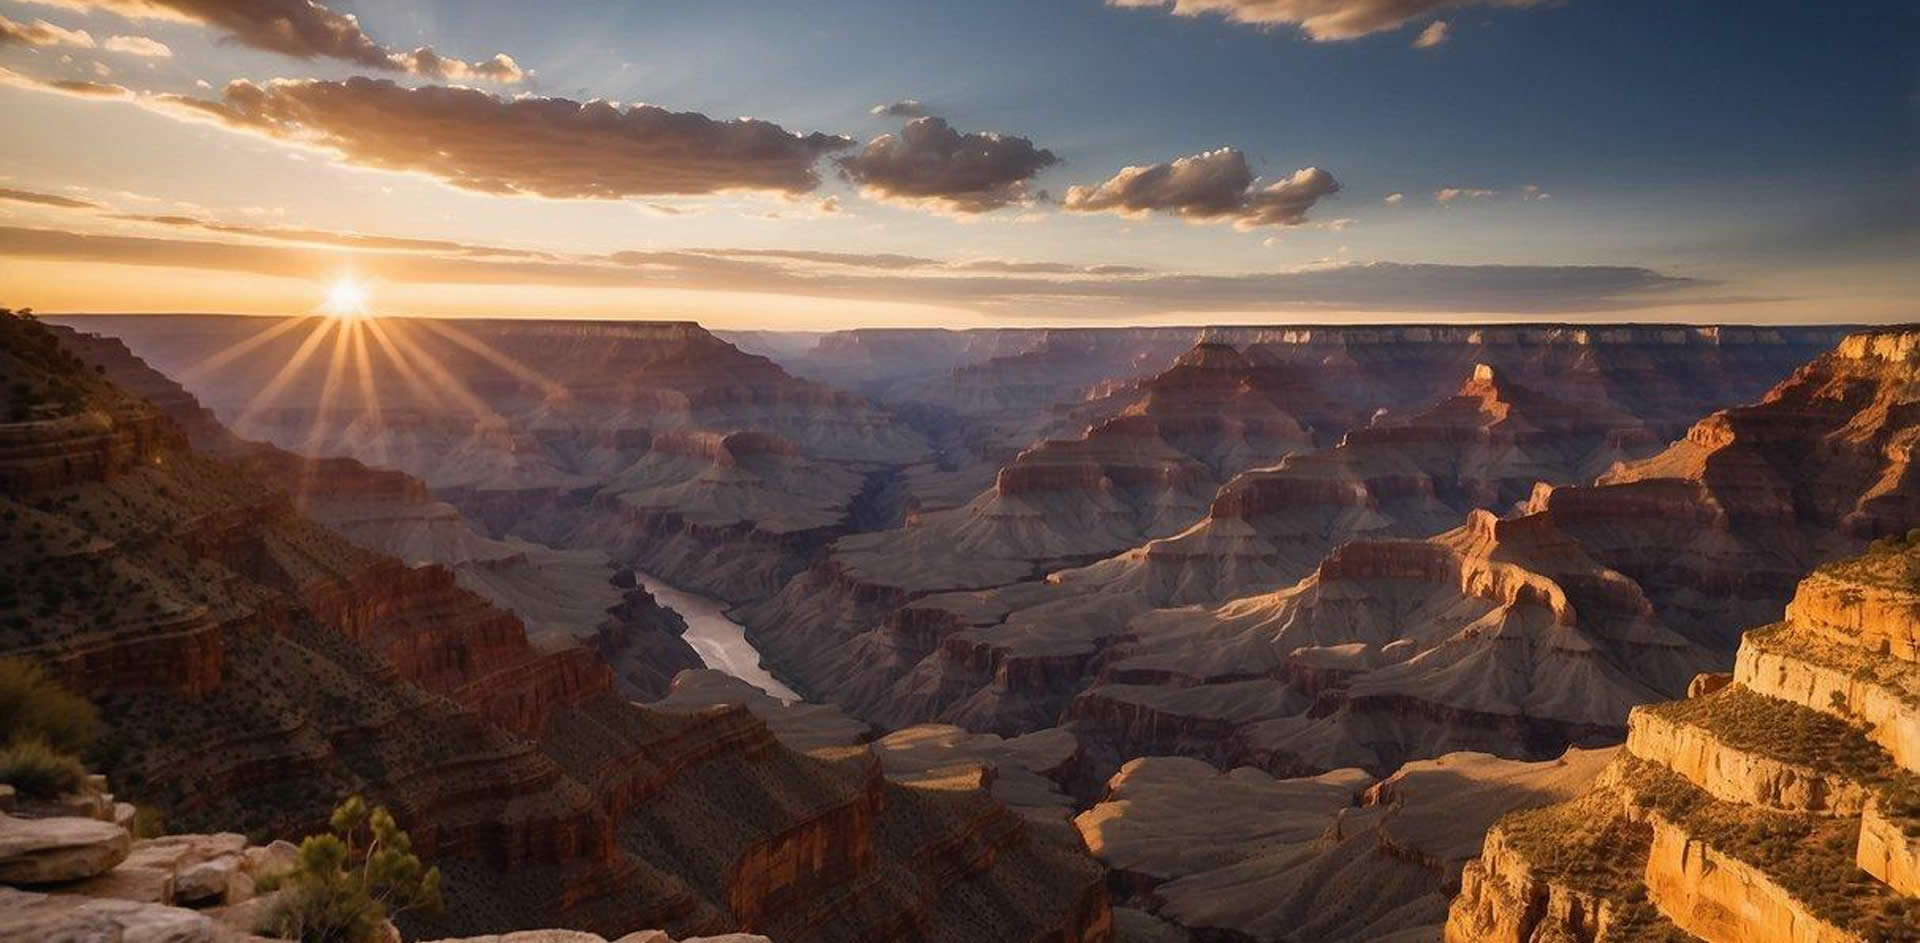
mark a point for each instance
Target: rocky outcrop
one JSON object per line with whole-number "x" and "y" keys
{"x": 1241, "y": 855}
{"x": 1745, "y": 813}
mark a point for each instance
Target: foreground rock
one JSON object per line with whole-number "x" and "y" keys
{"x": 51, "y": 851}
{"x": 1782, "y": 807}
{"x": 1334, "y": 857}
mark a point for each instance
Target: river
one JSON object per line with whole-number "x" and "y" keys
{"x": 719, "y": 641}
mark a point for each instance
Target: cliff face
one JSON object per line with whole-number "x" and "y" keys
{"x": 306, "y": 668}
{"x": 656, "y": 442}
{"x": 1516, "y": 634}
{"x": 1767, "y": 808}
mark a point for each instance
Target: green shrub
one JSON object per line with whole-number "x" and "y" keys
{"x": 35, "y": 707}
{"x": 346, "y": 884}
{"x": 39, "y": 771}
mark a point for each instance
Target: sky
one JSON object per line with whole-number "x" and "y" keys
{"x": 916, "y": 162}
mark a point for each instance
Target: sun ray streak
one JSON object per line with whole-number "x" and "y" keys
{"x": 487, "y": 352}
{"x": 450, "y": 384}
{"x": 369, "y": 392}
{"x": 323, "y": 417}
{"x": 288, "y": 371}
{"x": 404, "y": 366}
{"x": 240, "y": 349}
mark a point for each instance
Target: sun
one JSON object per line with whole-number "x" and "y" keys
{"x": 346, "y": 298}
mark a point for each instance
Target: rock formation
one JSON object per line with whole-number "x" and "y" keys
{"x": 1241, "y": 855}
{"x": 256, "y": 666}
{"x": 1519, "y": 633}
{"x": 1782, "y": 803}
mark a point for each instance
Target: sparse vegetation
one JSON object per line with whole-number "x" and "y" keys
{"x": 44, "y": 728}
{"x": 35, "y": 707}
{"x": 346, "y": 884}
{"x": 39, "y": 771}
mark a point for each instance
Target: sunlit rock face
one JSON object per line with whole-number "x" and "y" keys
{"x": 1779, "y": 806}
{"x": 255, "y": 666}
{"x": 1297, "y": 627}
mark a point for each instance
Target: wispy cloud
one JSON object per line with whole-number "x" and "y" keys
{"x": 42, "y": 33}
{"x": 138, "y": 46}
{"x": 1321, "y": 20}
{"x": 1022, "y": 289}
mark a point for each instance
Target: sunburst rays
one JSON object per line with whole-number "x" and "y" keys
{"x": 348, "y": 376}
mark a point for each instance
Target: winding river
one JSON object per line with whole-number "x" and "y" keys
{"x": 719, "y": 641}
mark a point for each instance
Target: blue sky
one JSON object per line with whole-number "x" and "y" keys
{"x": 1764, "y": 153}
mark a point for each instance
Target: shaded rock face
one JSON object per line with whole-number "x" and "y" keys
{"x": 321, "y": 669}
{"x": 1768, "y": 809}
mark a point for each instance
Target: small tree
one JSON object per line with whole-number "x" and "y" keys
{"x": 344, "y": 885}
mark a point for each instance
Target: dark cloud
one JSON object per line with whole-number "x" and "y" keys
{"x": 305, "y": 30}
{"x": 929, "y": 162}
{"x": 552, "y": 147}
{"x": 1379, "y": 286}
{"x": 1321, "y": 20}
{"x": 1216, "y": 185}
{"x": 46, "y": 199}
{"x": 905, "y": 108}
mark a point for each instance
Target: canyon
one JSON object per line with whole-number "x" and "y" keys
{"x": 1154, "y": 634}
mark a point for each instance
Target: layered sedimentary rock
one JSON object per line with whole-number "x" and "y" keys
{"x": 1773, "y": 807}
{"x": 522, "y": 423}
{"x": 257, "y": 667}
{"x": 564, "y": 598}
{"x": 1517, "y": 634}
{"x": 1406, "y": 475}
{"x": 1241, "y": 855}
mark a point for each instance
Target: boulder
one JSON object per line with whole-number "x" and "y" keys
{"x": 66, "y": 917}
{"x": 205, "y": 882}
{"x": 48, "y": 851}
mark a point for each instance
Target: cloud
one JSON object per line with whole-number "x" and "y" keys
{"x": 1321, "y": 20}
{"x": 1213, "y": 186}
{"x": 326, "y": 237}
{"x": 1394, "y": 199}
{"x": 138, "y": 46}
{"x": 42, "y": 33}
{"x": 1094, "y": 291}
{"x": 1451, "y": 194}
{"x": 302, "y": 29}
{"x": 930, "y": 163}
{"x": 501, "y": 68}
{"x": 46, "y": 199}
{"x": 1433, "y": 35}
{"x": 904, "y": 108}
{"x": 552, "y": 147}
{"x": 74, "y": 87}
